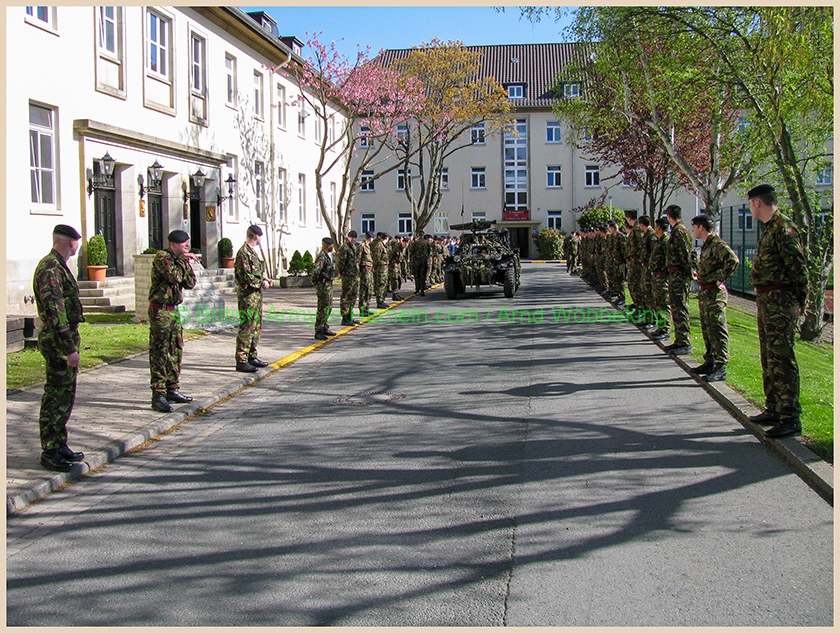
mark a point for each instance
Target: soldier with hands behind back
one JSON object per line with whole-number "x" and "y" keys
{"x": 250, "y": 282}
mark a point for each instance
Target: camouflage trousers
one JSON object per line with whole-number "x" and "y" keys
{"x": 380, "y": 284}
{"x": 349, "y": 293}
{"x": 712, "y": 304}
{"x": 616, "y": 278}
{"x": 394, "y": 277}
{"x": 601, "y": 272}
{"x": 777, "y": 316}
{"x": 250, "y": 325}
{"x": 324, "y": 292}
{"x": 634, "y": 283}
{"x": 59, "y": 391}
{"x": 659, "y": 298}
{"x": 166, "y": 346}
{"x": 647, "y": 288}
{"x": 419, "y": 270}
{"x": 679, "y": 284}
{"x": 365, "y": 288}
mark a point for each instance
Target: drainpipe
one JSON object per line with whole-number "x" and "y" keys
{"x": 273, "y": 181}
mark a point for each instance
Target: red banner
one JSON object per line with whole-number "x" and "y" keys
{"x": 516, "y": 215}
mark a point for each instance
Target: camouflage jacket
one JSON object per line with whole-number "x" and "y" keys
{"x": 363, "y": 250}
{"x": 645, "y": 245}
{"x": 248, "y": 270}
{"x": 347, "y": 260}
{"x": 717, "y": 261}
{"x": 170, "y": 275}
{"x": 657, "y": 259}
{"x": 395, "y": 252}
{"x": 57, "y": 298}
{"x": 680, "y": 253}
{"x": 419, "y": 251}
{"x": 323, "y": 270}
{"x": 379, "y": 254}
{"x": 574, "y": 245}
{"x": 634, "y": 242}
{"x": 618, "y": 247}
{"x": 779, "y": 259}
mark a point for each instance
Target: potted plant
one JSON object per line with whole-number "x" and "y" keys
{"x": 299, "y": 271}
{"x": 226, "y": 252}
{"x": 97, "y": 258}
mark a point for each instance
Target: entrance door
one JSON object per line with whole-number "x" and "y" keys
{"x": 155, "y": 221}
{"x": 106, "y": 225}
{"x": 196, "y": 221}
{"x": 520, "y": 237}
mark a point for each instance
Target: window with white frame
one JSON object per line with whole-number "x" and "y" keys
{"x": 745, "y": 220}
{"x": 319, "y": 220}
{"x": 404, "y": 223}
{"x": 401, "y": 179}
{"x": 230, "y": 80}
{"x": 283, "y": 196}
{"x": 478, "y": 215}
{"x": 108, "y": 27}
{"x": 158, "y": 44}
{"x": 477, "y": 134}
{"x": 301, "y": 199}
{"x": 554, "y": 176}
{"x": 552, "y": 132}
{"x": 516, "y": 91}
{"x": 301, "y": 117}
{"x": 331, "y": 130}
{"x": 478, "y": 178}
{"x": 44, "y": 17}
{"x": 365, "y": 139}
{"x": 110, "y": 71}
{"x": 592, "y": 176}
{"x": 516, "y": 165}
{"x": 258, "y": 95}
{"x": 444, "y": 178}
{"x": 553, "y": 219}
{"x": 571, "y": 90}
{"x": 402, "y": 134}
{"x": 441, "y": 223}
{"x": 826, "y": 175}
{"x": 332, "y": 202}
{"x": 258, "y": 189}
{"x": 743, "y": 123}
{"x": 198, "y": 78}
{"x": 281, "y": 106}
{"x": 42, "y": 166}
{"x": 367, "y": 181}
{"x": 587, "y": 135}
{"x": 368, "y": 222}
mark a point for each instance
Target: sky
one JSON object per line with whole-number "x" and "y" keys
{"x": 404, "y": 26}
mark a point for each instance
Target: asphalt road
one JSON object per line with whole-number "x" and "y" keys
{"x": 466, "y": 469}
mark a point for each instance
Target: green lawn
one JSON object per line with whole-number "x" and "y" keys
{"x": 105, "y": 337}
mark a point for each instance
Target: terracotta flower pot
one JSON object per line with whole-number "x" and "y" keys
{"x": 227, "y": 262}
{"x": 97, "y": 273}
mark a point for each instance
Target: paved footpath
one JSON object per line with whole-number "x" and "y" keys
{"x": 112, "y": 414}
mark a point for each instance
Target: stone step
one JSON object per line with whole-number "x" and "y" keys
{"x": 110, "y": 282}
{"x": 104, "y": 309}
{"x": 106, "y": 292}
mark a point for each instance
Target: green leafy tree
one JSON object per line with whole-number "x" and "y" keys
{"x": 600, "y": 215}
{"x": 550, "y": 243}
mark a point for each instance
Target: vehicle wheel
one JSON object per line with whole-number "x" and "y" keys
{"x": 450, "y": 285}
{"x": 510, "y": 282}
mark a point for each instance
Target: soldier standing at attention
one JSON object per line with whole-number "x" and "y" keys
{"x": 634, "y": 268}
{"x": 659, "y": 279}
{"x": 680, "y": 257}
{"x": 60, "y": 311}
{"x": 648, "y": 237}
{"x": 250, "y": 282}
{"x": 365, "y": 274}
{"x": 419, "y": 254}
{"x": 717, "y": 263}
{"x": 616, "y": 255}
{"x": 780, "y": 278}
{"x": 379, "y": 257}
{"x": 347, "y": 266}
{"x": 171, "y": 274}
{"x": 395, "y": 257}
{"x": 323, "y": 273}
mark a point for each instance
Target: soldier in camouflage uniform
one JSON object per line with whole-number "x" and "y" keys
{"x": 649, "y": 240}
{"x": 658, "y": 268}
{"x": 717, "y": 263}
{"x": 60, "y": 311}
{"x": 601, "y": 258}
{"x": 171, "y": 274}
{"x": 439, "y": 255}
{"x": 681, "y": 259}
{"x": 379, "y": 257}
{"x": 574, "y": 253}
{"x": 395, "y": 260}
{"x": 419, "y": 251}
{"x": 616, "y": 241}
{"x": 365, "y": 274}
{"x": 780, "y": 278}
{"x": 347, "y": 266}
{"x": 323, "y": 273}
{"x": 250, "y": 282}
{"x": 405, "y": 264}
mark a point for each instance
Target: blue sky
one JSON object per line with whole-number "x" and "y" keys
{"x": 403, "y": 26}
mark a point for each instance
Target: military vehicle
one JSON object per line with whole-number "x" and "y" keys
{"x": 483, "y": 258}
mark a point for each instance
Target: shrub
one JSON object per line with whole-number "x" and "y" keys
{"x": 296, "y": 265}
{"x": 307, "y": 262}
{"x": 97, "y": 252}
{"x": 550, "y": 243}
{"x": 150, "y": 251}
{"x": 225, "y": 247}
{"x": 600, "y": 215}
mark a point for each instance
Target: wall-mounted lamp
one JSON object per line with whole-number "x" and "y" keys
{"x": 155, "y": 178}
{"x": 198, "y": 179}
{"x": 230, "y": 180}
{"x": 100, "y": 179}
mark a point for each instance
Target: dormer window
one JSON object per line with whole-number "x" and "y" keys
{"x": 571, "y": 90}
{"x": 516, "y": 91}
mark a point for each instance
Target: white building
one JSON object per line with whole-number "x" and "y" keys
{"x": 193, "y": 90}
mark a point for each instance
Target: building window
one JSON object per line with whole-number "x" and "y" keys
{"x": 553, "y": 220}
{"x": 516, "y": 165}
{"x": 571, "y": 90}
{"x": 745, "y": 220}
{"x": 477, "y": 134}
{"x": 441, "y": 223}
{"x": 281, "y": 187}
{"x": 230, "y": 73}
{"x": 317, "y": 125}
{"x": 42, "y": 155}
{"x": 477, "y": 178}
{"x": 553, "y": 176}
{"x": 42, "y": 16}
{"x": 552, "y": 132}
{"x": 281, "y": 106}
{"x": 331, "y": 130}
{"x": 108, "y": 30}
{"x": 516, "y": 91}
{"x": 158, "y": 44}
{"x": 198, "y": 78}
{"x": 258, "y": 95}
{"x": 404, "y": 223}
{"x": 319, "y": 220}
{"x": 332, "y": 202}
{"x": 364, "y": 137}
{"x": 401, "y": 182}
{"x": 587, "y": 135}
{"x": 258, "y": 189}
{"x": 826, "y": 175}
{"x": 478, "y": 215}
{"x": 368, "y": 222}
{"x": 444, "y": 178}
{"x": 593, "y": 176}
{"x": 402, "y": 134}
{"x": 109, "y": 48}
{"x": 367, "y": 181}
{"x": 302, "y": 199}
{"x": 301, "y": 119}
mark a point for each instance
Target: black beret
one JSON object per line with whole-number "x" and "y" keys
{"x": 352, "y": 234}
{"x": 67, "y": 230}
{"x": 630, "y": 213}
{"x": 760, "y": 191}
{"x": 255, "y": 229}
{"x": 368, "y": 233}
{"x": 178, "y": 236}
{"x": 328, "y": 241}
